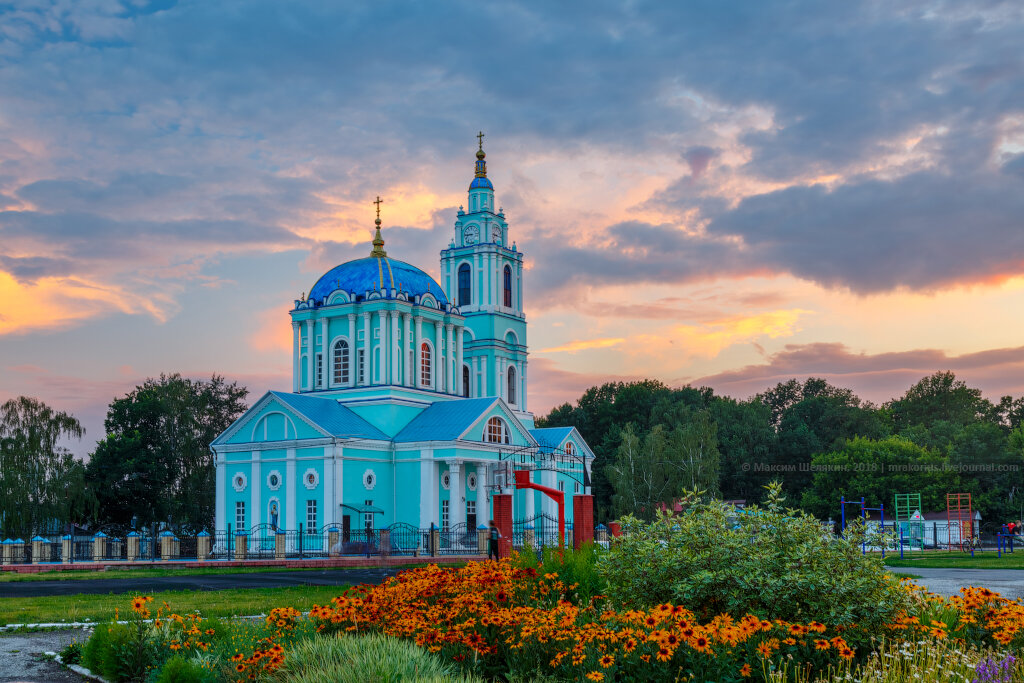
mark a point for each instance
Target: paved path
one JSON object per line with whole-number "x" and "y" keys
{"x": 209, "y": 582}
{"x": 1007, "y": 582}
{"x": 20, "y": 658}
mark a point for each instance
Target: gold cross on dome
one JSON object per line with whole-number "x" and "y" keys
{"x": 378, "y": 203}
{"x": 480, "y": 137}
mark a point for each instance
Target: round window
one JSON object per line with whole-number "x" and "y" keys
{"x": 369, "y": 479}
{"x": 471, "y": 482}
{"x": 446, "y": 480}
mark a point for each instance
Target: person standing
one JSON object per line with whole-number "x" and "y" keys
{"x": 492, "y": 545}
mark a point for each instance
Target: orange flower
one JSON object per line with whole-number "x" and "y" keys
{"x": 745, "y": 671}
{"x": 664, "y": 654}
{"x": 821, "y": 644}
{"x": 606, "y": 661}
{"x": 595, "y": 676}
{"x": 846, "y": 653}
{"x": 765, "y": 650}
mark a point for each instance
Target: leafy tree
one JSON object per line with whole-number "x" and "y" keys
{"x": 155, "y": 462}
{"x": 600, "y": 415}
{"x": 877, "y": 470}
{"x": 940, "y": 396}
{"x": 41, "y": 484}
{"x": 745, "y": 440}
{"x": 638, "y": 475}
{"x": 691, "y": 452}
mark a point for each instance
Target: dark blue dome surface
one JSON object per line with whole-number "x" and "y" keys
{"x": 481, "y": 182}
{"x": 372, "y": 274}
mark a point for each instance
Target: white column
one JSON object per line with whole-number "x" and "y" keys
{"x": 289, "y": 476}
{"x": 220, "y": 513}
{"x": 310, "y": 354}
{"x": 519, "y": 288}
{"x": 458, "y": 359}
{"x": 256, "y": 487}
{"x": 428, "y": 490}
{"x": 449, "y": 358}
{"x": 407, "y": 347}
{"x": 531, "y": 496}
{"x": 339, "y": 482}
{"x": 382, "y": 331}
{"x": 296, "y": 355}
{"x": 352, "y": 338}
{"x": 396, "y": 348}
{"x": 499, "y": 373}
{"x": 325, "y": 343}
{"x": 330, "y": 459}
{"x": 488, "y": 284}
{"x": 499, "y": 282}
{"x": 522, "y": 401}
{"x": 549, "y": 478}
{"x": 438, "y": 376}
{"x": 367, "y": 351}
{"x": 417, "y": 357}
{"x": 458, "y": 492}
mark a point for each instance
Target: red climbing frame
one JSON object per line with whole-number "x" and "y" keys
{"x": 959, "y": 521}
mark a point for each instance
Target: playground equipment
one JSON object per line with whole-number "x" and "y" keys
{"x": 960, "y": 522}
{"x": 1004, "y": 541}
{"x": 864, "y": 510}
{"x": 909, "y": 521}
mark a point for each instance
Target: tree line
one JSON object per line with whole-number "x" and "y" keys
{"x": 153, "y": 466}
{"x": 652, "y": 441}
{"x": 821, "y": 441}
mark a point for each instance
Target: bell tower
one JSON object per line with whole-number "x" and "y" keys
{"x": 482, "y": 273}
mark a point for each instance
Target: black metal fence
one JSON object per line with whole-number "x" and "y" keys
{"x": 265, "y": 542}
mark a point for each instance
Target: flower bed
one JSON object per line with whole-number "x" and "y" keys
{"x": 504, "y": 622}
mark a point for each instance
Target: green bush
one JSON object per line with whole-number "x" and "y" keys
{"x": 178, "y": 669}
{"x": 72, "y": 653}
{"x": 362, "y": 659}
{"x": 572, "y": 566}
{"x": 774, "y": 562}
{"x": 118, "y": 652}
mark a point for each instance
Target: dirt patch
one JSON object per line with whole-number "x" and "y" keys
{"x": 21, "y": 656}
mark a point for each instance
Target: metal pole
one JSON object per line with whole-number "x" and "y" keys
{"x": 881, "y": 512}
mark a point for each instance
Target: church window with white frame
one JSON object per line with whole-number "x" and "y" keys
{"x": 341, "y": 369}
{"x": 508, "y": 287}
{"x": 362, "y": 366}
{"x": 368, "y": 516}
{"x": 561, "y": 486}
{"x": 444, "y": 515}
{"x": 425, "y": 373}
{"x": 511, "y": 385}
{"x": 319, "y": 369}
{"x": 570, "y": 448}
{"x": 465, "y": 285}
{"x": 240, "y": 515}
{"x": 311, "y": 516}
{"x": 497, "y": 431}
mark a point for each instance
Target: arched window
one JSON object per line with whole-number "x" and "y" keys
{"x": 425, "y": 365}
{"x": 465, "y": 381}
{"x": 465, "y": 285}
{"x": 508, "y": 286}
{"x": 341, "y": 369}
{"x": 496, "y": 432}
{"x": 570, "y": 448}
{"x": 511, "y": 385}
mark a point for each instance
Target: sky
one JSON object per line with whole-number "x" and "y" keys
{"x": 707, "y": 193}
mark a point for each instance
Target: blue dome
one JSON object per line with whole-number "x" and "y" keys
{"x": 481, "y": 182}
{"x": 371, "y": 274}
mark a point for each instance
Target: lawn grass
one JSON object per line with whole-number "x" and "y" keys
{"x": 946, "y": 560}
{"x": 225, "y": 603}
{"x": 146, "y": 572}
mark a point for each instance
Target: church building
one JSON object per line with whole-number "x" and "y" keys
{"x": 409, "y": 397}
